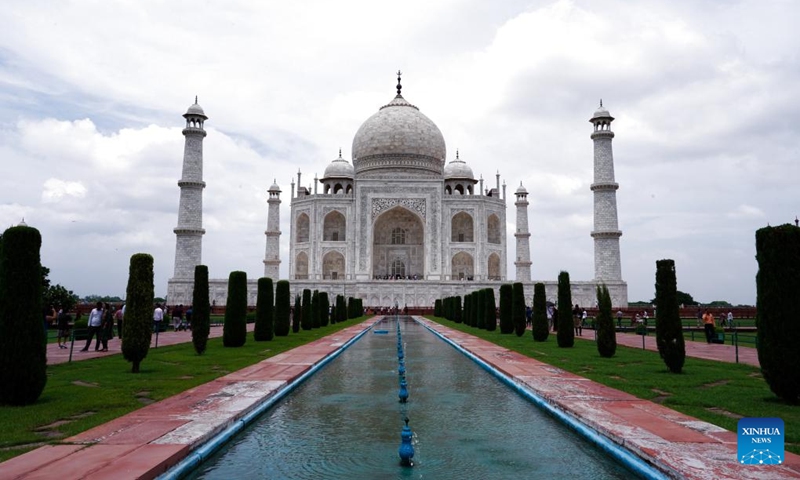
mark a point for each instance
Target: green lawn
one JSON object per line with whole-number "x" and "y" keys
{"x": 84, "y": 394}
{"x": 717, "y": 392}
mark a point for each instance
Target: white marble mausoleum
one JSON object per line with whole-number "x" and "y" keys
{"x": 400, "y": 225}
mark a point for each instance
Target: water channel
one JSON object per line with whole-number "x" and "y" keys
{"x": 345, "y": 422}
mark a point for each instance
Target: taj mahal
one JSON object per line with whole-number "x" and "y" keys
{"x": 400, "y": 225}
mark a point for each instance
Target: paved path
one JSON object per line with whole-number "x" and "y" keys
{"x": 145, "y": 443}
{"x": 57, "y": 355}
{"x": 697, "y": 349}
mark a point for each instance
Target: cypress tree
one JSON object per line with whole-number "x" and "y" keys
{"x": 264, "y": 328}
{"x": 297, "y": 315}
{"x": 23, "y": 338}
{"x": 437, "y": 308}
{"x": 475, "y": 309}
{"x": 777, "y": 287}
{"x": 305, "y": 320}
{"x": 566, "y": 331}
{"x": 315, "y": 323}
{"x": 481, "y": 314}
{"x": 337, "y": 309}
{"x": 467, "y": 309}
{"x": 137, "y": 328}
{"x": 539, "y": 325}
{"x": 607, "y": 335}
{"x": 458, "y": 313}
{"x": 234, "y": 330}
{"x": 491, "y": 311}
{"x": 201, "y": 310}
{"x": 283, "y": 306}
{"x": 518, "y": 308}
{"x": 324, "y": 309}
{"x": 669, "y": 330}
{"x": 506, "y": 323}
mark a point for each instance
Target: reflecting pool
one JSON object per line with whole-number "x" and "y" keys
{"x": 345, "y": 422}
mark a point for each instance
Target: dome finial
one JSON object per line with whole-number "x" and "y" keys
{"x": 601, "y": 102}
{"x": 457, "y": 154}
{"x": 195, "y": 99}
{"x": 340, "y": 152}
{"x": 399, "y": 87}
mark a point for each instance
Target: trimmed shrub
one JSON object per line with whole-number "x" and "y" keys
{"x": 297, "y": 314}
{"x": 201, "y": 310}
{"x": 518, "y": 308}
{"x": 777, "y": 286}
{"x": 481, "y": 313}
{"x": 324, "y": 309}
{"x": 566, "y": 331}
{"x": 539, "y": 324}
{"x": 506, "y": 323}
{"x": 341, "y": 309}
{"x": 465, "y": 315}
{"x": 264, "y": 329}
{"x": 315, "y": 309}
{"x": 283, "y": 307}
{"x": 306, "y": 323}
{"x": 457, "y": 306}
{"x": 669, "y": 329}
{"x": 138, "y": 325}
{"x": 475, "y": 308}
{"x": 23, "y": 339}
{"x": 437, "y": 308}
{"x": 234, "y": 330}
{"x": 491, "y": 311}
{"x": 606, "y": 334}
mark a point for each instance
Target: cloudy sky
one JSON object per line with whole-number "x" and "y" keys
{"x": 705, "y": 96}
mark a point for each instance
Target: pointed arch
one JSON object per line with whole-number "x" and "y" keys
{"x": 303, "y": 226}
{"x": 462, "y": 228}
{"x": 493, "y": 232}
{"x": 462, "y": 266}
{"x": 333, "y": 266}
{"x": 334, "y": 227}
{"x": 398, "y": 234}
{"x": 493, "y": 267}
{"x": 301, "y": 266}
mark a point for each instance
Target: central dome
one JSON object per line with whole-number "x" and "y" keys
{"x": 399, "y": 137}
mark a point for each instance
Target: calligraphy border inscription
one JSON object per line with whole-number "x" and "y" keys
{"x": 380, "y": 205}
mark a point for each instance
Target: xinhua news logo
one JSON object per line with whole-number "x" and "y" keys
{"x": 760, "y": 441}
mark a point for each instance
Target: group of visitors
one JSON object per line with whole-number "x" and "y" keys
{"x": 177, "y": 316}
{"x": 397, "y": 277}
{"x": 101, "y": 326}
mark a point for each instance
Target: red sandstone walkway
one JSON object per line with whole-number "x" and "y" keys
{"x": 57, "y": 355}
{"x": 697, "y": 349}
{"x": 145, "y": 443}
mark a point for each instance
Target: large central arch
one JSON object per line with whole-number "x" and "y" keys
{"x": 398, "y": 244}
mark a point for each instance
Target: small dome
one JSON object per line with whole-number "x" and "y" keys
{"x": 458, "y": 169}
{"x": 601, "y": 112}
{"x": 521, "y": 190}
{"x": 339, "y": 168}
{"x": 275, "y": 187}
{"x": 196, "y": 110}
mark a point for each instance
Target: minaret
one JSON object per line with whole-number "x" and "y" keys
{"x": 189, "y": 232}
{"x": 523, "y": 262}
{"x": 606, "y": 229}
{"x": 272, "y": 259}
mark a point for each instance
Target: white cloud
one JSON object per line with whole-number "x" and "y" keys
{"x": 703, "y": 94}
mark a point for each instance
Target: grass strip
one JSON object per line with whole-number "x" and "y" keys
{"x": 83, "y": 394}
{"x": 717, "y": 392}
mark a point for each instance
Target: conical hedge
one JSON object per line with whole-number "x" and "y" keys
{"x": 606, "y": 334}
{"x": 669, "y": 329}
{"x": 566, "y": 331}
{"x": 540, "y": 327}
{"x": 283, "y": 306}
{"x": 264, "y": 329}
{"x": 201, "y": 310}
{"x": 234, "y": 331}
{"x": 138, "y": 325}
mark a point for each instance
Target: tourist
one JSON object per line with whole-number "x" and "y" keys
{"x": 619, "y": 318}
{"x": 94, "y": 324}
{"x": 730, "y": 319}
{"x": 63, "y": 328}
{"x": 189, "y": 313}
{"x": 177, "y": 317}
{"x": 107, "y": 327}
{"x": 119, "y": 315}
{"x": 550, "y": 316}
{"x": 584, "y": 316}
{"x": 708, "y": 325}
{"x": 158, "y": 316}
{"x": 555, "y": 319}
{"x": 528, "y": 315}
{"x": 576, "y": 320}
